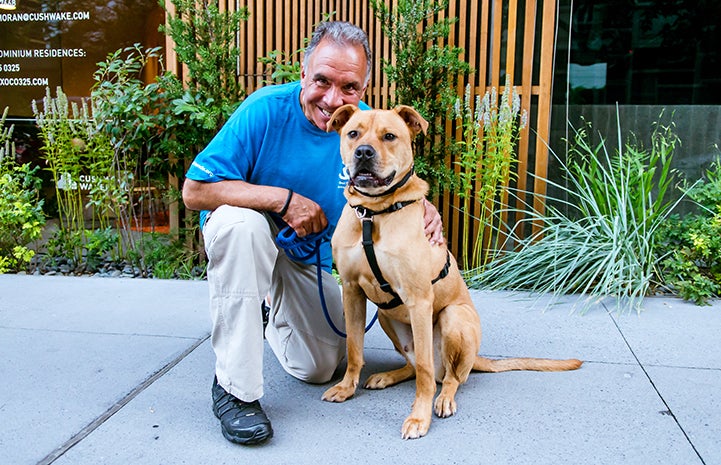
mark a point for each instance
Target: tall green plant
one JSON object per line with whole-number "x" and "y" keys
{"x": 132, "y": 116}
{"x": 606, "y": 244}
{"x": 65, "y": 130}
{"x": 487, "y": 153}
{"x": 426, "y": 74}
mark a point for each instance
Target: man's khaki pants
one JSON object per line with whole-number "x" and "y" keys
{"x": 245, "y": 266}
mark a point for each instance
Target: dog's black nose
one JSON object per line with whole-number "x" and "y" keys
{"x": 365, "y": 152}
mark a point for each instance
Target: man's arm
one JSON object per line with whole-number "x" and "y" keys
{"x": 302, "y": 214}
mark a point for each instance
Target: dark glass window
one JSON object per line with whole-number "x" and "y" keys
{"x": 663, "y": 52}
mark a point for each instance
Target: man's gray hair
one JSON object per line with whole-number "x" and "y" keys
{"x": 341, "y": 33}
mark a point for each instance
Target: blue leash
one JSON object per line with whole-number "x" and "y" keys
{"x": 303, "y": 248}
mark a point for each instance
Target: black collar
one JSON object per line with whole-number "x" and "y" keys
{"x": 363, "y": 212}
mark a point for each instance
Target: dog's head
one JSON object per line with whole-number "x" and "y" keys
{"x": 376, "y": 144}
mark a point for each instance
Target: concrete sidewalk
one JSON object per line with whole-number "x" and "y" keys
{"x": 118, "y": 371}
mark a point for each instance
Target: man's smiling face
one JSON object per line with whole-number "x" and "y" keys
{"x": 335, "y": 76}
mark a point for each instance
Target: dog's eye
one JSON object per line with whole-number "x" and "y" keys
{"x": 352, "y": 134}
{"x": 389, "y": 136}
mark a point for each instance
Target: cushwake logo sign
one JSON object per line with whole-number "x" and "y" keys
{"x": 8, "y": 4}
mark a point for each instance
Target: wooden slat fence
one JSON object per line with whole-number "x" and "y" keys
{"x": 501, "y": 38}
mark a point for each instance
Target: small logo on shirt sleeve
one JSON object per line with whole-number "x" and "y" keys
{"x": 203, "y": 169}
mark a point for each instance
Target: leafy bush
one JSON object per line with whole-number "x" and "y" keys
{"x": 605, "y": 245}
{"x": 21, "y": 212}
{"x": 282, "y": 66}
{"x": 690, "y": 247}
{"x": 205, "y": 41}
{"x": 167, "y": 258}
{"x": 137, "y": 121}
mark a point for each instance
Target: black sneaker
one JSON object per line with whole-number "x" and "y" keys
{"x": 241, "y": 422}
{"x": 265, "y": 310}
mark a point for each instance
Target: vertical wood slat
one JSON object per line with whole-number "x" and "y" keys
{"x": 526, "y": 87}
{"x": 496, "y": 43}
{"x": 526, "y": 90}
{"x": 510, "y": 70}
{"x": 172, "y": 65}
{"x": 464, "y": 35}
{"x": 544, "y": 107}
{"x": 511, "y": 33}
{"x": 285, "y": 24}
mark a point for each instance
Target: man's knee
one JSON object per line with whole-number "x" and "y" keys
{"x": 312, "y": 375}
{"x": 308, "y": 360}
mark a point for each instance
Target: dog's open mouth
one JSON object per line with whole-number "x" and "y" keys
{"x": 367, "y": 179}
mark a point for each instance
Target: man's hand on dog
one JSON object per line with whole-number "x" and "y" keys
{"x": 433, "y": 224}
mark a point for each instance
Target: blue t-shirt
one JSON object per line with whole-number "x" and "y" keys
{"x": 269, "y": 141}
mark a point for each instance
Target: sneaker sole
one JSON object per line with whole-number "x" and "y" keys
{"x": 258, "y": 438}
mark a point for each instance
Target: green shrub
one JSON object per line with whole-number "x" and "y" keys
{"x": 282, "y": 66}
{"x": 690, "y": 247}
{"x": 165, "y": 258}
{"x": 21, "y": 213}
{"x": 205, "y": 41}
{"x": 605, "y": 244}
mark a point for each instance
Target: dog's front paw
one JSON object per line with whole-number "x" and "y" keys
{"x": 414, "y": 428}
{"x": 338, "y": 393}
{"x": 378, "y": 381}
{"x": 445, "y": 406}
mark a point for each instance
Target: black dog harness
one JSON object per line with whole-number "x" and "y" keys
{"x": 366, "y": 216}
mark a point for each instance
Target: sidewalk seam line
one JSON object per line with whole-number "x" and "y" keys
{"x": 658, "y": 393}
{"x": 115, "y": 408}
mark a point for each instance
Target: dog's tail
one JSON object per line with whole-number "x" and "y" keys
{"x": 533, "y": 364}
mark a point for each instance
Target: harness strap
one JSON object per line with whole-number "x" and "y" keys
{"x": 444, "y": 271}
{"x": 371, "y": 257}
{"x": 367, "y": 241}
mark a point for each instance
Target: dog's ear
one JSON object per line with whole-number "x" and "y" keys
{"x": 413, "y": 119}
{"x": 340, "y": 117}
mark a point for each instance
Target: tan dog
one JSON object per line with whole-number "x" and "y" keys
{"x": 435, "y": 325}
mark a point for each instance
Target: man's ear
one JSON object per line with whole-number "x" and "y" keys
{"x": 413, "y": 119}
{"x": 340, "y": 117}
